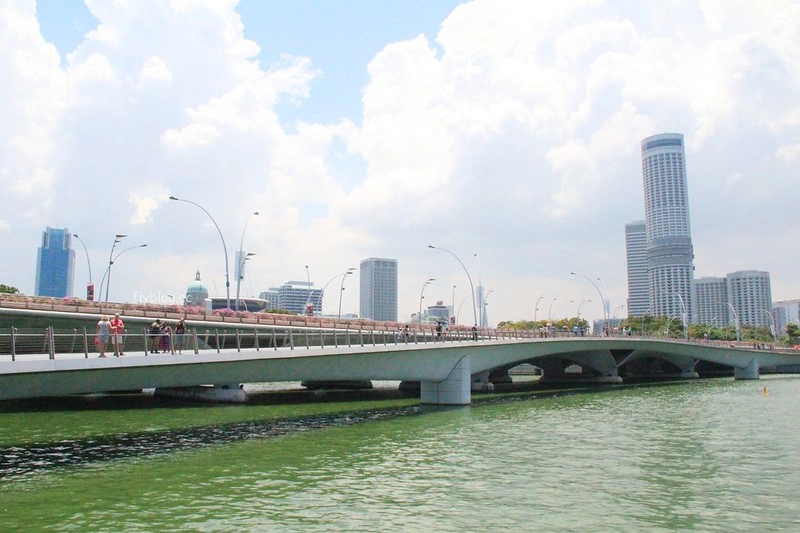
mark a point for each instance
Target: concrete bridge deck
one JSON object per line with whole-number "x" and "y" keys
{"x": 448, "y": 369}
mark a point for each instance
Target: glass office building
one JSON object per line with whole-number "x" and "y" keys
{"x": 378, "y": 286}
{"x": 55, "y": 264}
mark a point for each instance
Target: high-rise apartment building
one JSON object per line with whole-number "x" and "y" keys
{"x": 711, "y": 297}
{"x": 636, "y": 255}
{"x": 293, "y": 296}
{"x": 786, "y": 312}
{"x": 55, "y": 264}
{"x": 751, "y": 296}
{"x": 670, "y": 269}
{"x": 378, "y": 284}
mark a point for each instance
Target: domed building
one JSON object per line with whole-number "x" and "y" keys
{"x": 196, "y": 293}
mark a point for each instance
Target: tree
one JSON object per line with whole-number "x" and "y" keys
{"x": 7, "y": 289}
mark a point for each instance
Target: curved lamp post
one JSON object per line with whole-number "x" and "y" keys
{"x": 736, "y": 320}
{"x": 224, "y": 248}
{"x": 578, "y": 316}
{"x": 550, "y": 310}
{"x": 421, "y": 296}
{"x": 683, "y": 315}
{"x": 111, "y": 262}
{"x": 471, "y": 286}
{"x": 483, "y": 307}
{"x": 602, "y": 300}
{"x": 117, "y": 238}
{"x": 90, "y": 286}
{"x": 536, "y": 309}
{"x": 240, "y": 265}
{"x": 774, "y": 327}
{"x": 308, "y": 297}
{"x": 341, "y": 288}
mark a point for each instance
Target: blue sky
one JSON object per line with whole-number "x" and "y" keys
{"x": 499, "y": 128}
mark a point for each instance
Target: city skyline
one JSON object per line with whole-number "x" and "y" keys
{"x": 359, "y": 130}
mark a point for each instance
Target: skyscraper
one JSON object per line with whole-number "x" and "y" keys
{"x": 711, "y": 299}
{"x": 670, "y": 269}
{"x": 636, "y": 255}
{"x": 751, "y": 296}
{"x": 378, "y": 284}
{"x": 55, "y": 264}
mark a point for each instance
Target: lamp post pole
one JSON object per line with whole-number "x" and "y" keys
{"x": 453, "y": 308}
{"x": 774, "y": 327}
{"x": 117, "y": 238}
{"x": 578, "y": 317}
{"x": 111, "y": 262}
{"x": 471, "y": 286}
{"x": 421, "y": 296}
{"x": 341, "y": 289}
{"x": 322, "y": 293}
{"x": 90, "y": 286}
{"x": 536, "y": 309}
{"x": 308, "y": 297}
{"x": 240, "y": 264}
{"x": 736, "y": 321}
{"x": 224, "y": 248}
{"x": 550, "y": 310}
{"x": 602, "y": 300}
{"x": 683, "y": 315}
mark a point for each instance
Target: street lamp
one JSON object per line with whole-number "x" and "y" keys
{"x": 471, "y": 286}
{"x": 550, "y": 310}
{"x": 736, "y": 320}
{"x": 602, "y": 300}
{"x": 536, "y": 309}
{"x": 578, "y": 316}
{"x": 117, "y": 238}
{"x": 341, "y": 288}
{"x": 421, "y": 292}
{"x": 337, "y": 276}
{"x": 308, "y": 297}
{"x": 224, "y": 248}
{"x": 111, "y": 262}
{"x": 90, "y": 285}
{"x": 453, "y": 308}
{"x": 240, "y": 265}
{"x": 684, "y": 315}
{"x": 774, "y": 327}
{"x": 483, "y": 307}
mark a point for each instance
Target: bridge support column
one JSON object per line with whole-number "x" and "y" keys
{"x": 454, "y": 390}
{"x": 748, "y": 372}
{"x": 224, "y": 393}
{"x": 481, "y": 382}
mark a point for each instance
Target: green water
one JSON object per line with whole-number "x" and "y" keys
{"x": 713, "y": 455}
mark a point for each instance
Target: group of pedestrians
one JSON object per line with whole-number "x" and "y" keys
{"x": 111, "y": 330}
{"x": 162, "y": 336}
{"x": 160, "y": 333}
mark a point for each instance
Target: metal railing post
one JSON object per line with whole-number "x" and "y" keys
{"x": 274, "y": 340}
{"x": 196, "y": 343}
{"x": 308, "y": 341}
{"x": 291, "y": 339}
{"x": 322, "y": 339}
{"x": 238, "y": 341}
{"x": 216, "y": 336}
{"x": 85, "y": 344}
{"x": 255, "y": 342}
{"x": 51, "y": 341}
{"x": 13, "y": 344}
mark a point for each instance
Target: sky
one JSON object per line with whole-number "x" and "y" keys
{"x": 506, "y": 133}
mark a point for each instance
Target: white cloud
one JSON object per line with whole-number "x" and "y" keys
{"x": 514, "y": 133}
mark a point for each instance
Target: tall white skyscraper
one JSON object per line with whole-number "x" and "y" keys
{"x": 378, "y": 284}
{"x": 636, "y": 255}
{"x": 751, "y": 296}
{"x": 670, "y": 268}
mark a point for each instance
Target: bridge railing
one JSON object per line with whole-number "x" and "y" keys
{"x": 51, "y": 342}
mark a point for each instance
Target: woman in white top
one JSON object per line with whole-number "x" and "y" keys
{"x": 103, "y": 334}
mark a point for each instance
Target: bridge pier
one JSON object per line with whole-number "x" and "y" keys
{"x": 225, "y": 393}
{"x": 748, "y": 372}
{"x": 454, "y": 390}
{"x": 481, "y": 382}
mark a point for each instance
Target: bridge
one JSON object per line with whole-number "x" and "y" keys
{"x": 448, "y": 368}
